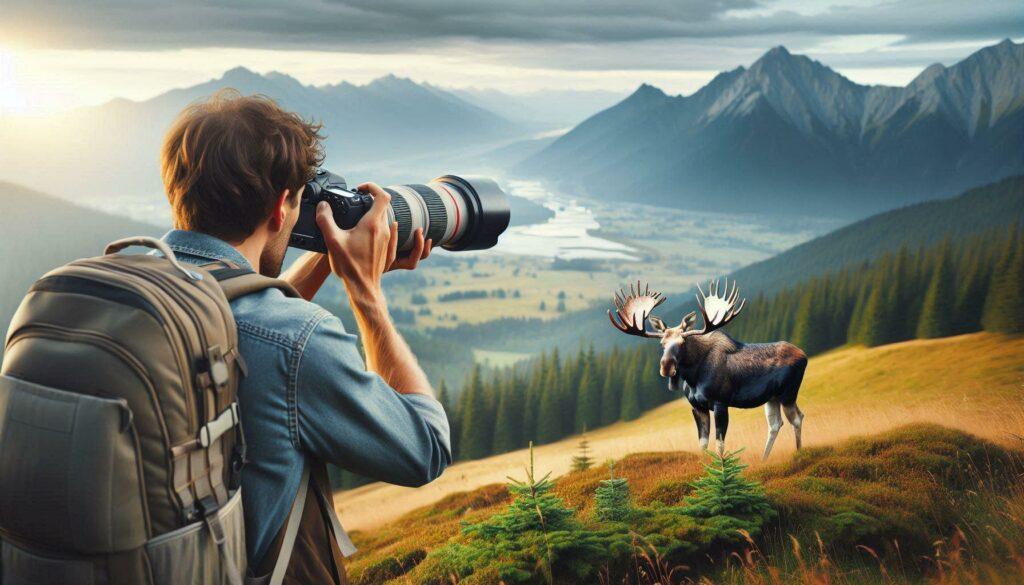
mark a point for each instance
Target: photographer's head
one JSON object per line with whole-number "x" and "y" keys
{"x": 234, "y": 167}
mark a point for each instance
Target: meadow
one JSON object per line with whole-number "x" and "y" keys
{"x": 974, "y": 383}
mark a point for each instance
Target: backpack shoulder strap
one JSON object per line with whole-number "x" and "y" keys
{"x": 238, "y": 282}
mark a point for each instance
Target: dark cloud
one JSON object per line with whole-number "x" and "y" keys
{"x": 400, "y": 25}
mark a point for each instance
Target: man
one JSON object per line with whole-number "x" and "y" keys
{"x": 234, "y": 169}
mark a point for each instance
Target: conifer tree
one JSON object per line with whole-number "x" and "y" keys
{"x": 936, "y": 318}
{"x": 1004, "y": 304}
{"x": 723, "y": 491}
{"x": 477, "y": 424}
{"x": 588, "y": 402}
{"x": 652, "y": 386}
{"x": 454, "y": 418}
{"x": 611, "y": 499}
{"x": 533, "y": 507}
{"x": 582, "y": 460}
{"x": 569, "y": 383}
{"x": 509, "y": 418}
{"x": 877, "y": 322}
{"x": 611, "y": 389}
{"x": 549, "y": 415}
{"x": 533, "y": 394}
{"x": 970, "y": 298}
{"x": 809, "y": 328}
{"x": 632, "y": 406}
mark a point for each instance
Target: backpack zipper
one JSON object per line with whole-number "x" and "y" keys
{"x": 184, "y": 371}
{"x": 171, "y": 288}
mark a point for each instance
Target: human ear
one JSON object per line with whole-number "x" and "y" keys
{"x": 282, "y": 206}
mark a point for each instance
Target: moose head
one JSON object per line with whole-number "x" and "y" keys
{"x": 633, "y": 312}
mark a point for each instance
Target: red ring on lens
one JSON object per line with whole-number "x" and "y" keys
{"x": 458, "y": 219}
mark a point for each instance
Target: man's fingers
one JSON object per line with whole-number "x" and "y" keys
{"x": 410, "y": 261}
{"x": 426, "y": 249}
{"x": 325, "y": 221}
{"x": 381, "y": 198}
{"x": 392, "y": 246}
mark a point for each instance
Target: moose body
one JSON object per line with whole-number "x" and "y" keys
{"x": 718, "y": 372}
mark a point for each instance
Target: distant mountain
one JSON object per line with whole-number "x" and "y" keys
{"x": 111, "y": 151}
{"x": 41, "y": 232}
{"x": 545, "y": 109}
{"x": 790, "y": 135}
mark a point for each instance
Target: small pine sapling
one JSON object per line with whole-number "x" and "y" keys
{"x": 723, "y": 491}
{"x": 582, "y": 461}
{"x": 533, "y": 507}
{"x": 611, "y": 500}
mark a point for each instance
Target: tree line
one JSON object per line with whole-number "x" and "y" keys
{"x": 945, "y": 289}
{"x": 550, "y": 398}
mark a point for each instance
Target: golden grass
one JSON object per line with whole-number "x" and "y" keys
{"x": 970, "y": 382}
{"x": 889, "y": 507}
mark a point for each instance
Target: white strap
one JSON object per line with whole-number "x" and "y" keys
{"x": 291, "y": 531}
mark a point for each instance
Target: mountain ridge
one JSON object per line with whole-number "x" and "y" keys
{"x": 790, "y": 132}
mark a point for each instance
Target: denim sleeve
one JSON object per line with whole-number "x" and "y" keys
{"x": 351, "y": 418}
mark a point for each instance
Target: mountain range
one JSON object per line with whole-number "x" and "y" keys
{"x": 110, "y": 152}
{"x": 790, "y": 135}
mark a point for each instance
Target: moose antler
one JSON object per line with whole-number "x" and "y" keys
{"x": 717, "y": 309}
{"x": 632, "y": 310}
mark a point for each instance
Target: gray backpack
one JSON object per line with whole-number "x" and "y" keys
{"x": 120, "y": 442}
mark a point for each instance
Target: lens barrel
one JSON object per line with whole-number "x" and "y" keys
{"x": 454, "y": 212}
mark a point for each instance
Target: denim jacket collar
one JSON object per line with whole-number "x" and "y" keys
{"x": 204, "y": 246}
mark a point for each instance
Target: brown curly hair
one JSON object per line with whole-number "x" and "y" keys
{"x": 226, "y": 160}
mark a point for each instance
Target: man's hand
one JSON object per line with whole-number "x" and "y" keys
{"x": 362, "y": 254}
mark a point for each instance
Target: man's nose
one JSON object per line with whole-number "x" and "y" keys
{"x": 668, "y": 367}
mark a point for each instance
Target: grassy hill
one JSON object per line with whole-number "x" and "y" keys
{"x": 971, "y": 382}
{"x": 919, "y": 503}
{"x": 865, "y": 479}
{"x": 41, "y": 232}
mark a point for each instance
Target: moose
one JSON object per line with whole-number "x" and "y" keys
{"x": 717, "y": 371}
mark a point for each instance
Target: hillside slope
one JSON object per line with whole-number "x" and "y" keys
{"x": 923, "y": 224}
{"x": 41, "y": 232}
{"x": 970, "y": 382}
{"x": 790, "y": 134}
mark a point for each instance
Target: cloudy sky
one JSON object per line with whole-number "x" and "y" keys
{"x": 60, "y": 54}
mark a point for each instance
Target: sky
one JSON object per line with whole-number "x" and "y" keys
{"x": 58, "y": 55}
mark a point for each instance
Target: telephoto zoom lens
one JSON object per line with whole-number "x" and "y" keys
{"x": 455, "y": 212}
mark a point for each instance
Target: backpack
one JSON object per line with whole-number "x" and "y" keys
{"x": 120, "y": 442}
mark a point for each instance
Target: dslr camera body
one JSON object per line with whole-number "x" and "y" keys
{"x": 457, "y": 213}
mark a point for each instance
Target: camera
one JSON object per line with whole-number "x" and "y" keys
{"x": 457, "y": 213}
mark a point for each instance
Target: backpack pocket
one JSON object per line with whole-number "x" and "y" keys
{"x": 70, "y": 474}
{"x": 190, "y": 554}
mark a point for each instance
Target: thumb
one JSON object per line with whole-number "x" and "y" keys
{"x": 325, "y": 221}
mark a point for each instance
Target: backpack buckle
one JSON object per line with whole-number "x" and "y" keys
{"x": 212, "y": 430}
{"x": 208, "y": 507}
{"x": 217, "y": 366}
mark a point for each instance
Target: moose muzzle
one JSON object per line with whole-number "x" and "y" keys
{"x": 668, "y": 367}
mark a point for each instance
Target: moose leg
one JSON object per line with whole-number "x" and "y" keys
{"x": 774, "y": 416}
{"x": 703, "y": 420}
{"x": 796, "y": 418}
{"x": 721, "y": 425}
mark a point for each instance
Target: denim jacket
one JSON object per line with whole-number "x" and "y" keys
{"x": 308, "y": 392}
